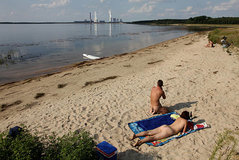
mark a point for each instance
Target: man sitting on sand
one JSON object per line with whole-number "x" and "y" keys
{"x": 210, "y": 44}
{"x": 156, "y": 94}
{"x": 163, "y": 131}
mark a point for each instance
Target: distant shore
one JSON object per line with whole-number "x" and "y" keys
{"x": 75, "y": 22}
{"x": 103, "y": 96}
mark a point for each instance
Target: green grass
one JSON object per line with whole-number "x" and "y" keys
{"x": 214, "y": 25}
{"x": 226, "y": 146}
{"x": 232, "y": 35}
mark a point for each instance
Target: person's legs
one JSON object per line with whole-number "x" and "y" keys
{"x": 147, "y": 133}
{"x": 141, "y": 134}
{"x": 163, "y": 110}
{"x": 151, "y": 110}
{"x": 154, "y": 109}
{"x": 164, "y": 132}
{"x": 146, "y": 139}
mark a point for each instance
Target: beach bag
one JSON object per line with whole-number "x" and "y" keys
{"x": 106, "y": 151}
{"x": 13, "y": 132}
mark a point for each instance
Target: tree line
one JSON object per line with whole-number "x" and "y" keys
{"x": 193, "y": 20}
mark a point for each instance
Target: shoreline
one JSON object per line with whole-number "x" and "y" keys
{"x": 103, "y": 96}
{"x": 57, "y": 70}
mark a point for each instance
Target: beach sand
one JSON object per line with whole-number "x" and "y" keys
{"x": 103, "y": 96}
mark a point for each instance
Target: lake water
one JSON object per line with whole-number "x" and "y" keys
{"x": 28, "y": 50}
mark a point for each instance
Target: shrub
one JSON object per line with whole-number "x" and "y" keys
{"x": 23, "y": 146}
{"x": 73, "y": 146}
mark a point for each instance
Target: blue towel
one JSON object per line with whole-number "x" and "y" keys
{"x": 157, "y": 121}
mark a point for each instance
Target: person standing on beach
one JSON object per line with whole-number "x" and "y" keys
{"x": 156, "y": 93}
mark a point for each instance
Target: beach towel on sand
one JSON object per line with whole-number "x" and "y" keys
{"x": 157, "y": 121}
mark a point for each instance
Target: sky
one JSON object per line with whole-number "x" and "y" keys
{"x": 127, "y": 10}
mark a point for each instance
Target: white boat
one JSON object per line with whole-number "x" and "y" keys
{"x": 90, "y": 56}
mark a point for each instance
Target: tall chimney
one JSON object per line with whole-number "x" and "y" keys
{"x": 90, "y": 18}
{"x": 96, "y": 20}
{"x": 110, "y": 16}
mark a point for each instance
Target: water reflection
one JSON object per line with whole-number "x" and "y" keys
{"x": 91, "y": 31}
{"x": 31, "y": 52}
{"x": 110, "y": 29}
{"x": 97, "y": 49}
{"x": 96, "y": 29}
{"x": 11, "y": 56}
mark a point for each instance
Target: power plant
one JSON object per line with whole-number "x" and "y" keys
{"x": 96, "y": 20}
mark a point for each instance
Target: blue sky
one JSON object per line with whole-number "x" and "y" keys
{"x": 128, "y": 10}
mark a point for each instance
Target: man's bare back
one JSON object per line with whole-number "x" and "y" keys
{"x": 156, "y": 94}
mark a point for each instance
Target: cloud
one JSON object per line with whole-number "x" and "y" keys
{"x": 101, "y": 1}
{"x": 169, "y": 9}
{"x": 12, "y": 13}
{"x": 156, "y": 1}
{"x": 188, "y": 9}
{"x": 52, "y": 4}
{"x": 194, "y": 13}
{"x": 150, "y": 1}
{"x": 227, "y": 6}
{"x": 61, "y": 13}
{"x": 209, "y": 2}
{"x": 135, "y": 0}
{"x": 161, "y": 14}
{"x": 146, "y": 8}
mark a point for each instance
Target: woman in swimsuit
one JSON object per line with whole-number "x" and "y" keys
{"x": 163, "y": 131}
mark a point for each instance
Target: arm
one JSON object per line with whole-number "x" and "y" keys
{"x": 185, "y": 126}
{"x": 163, "y": 95}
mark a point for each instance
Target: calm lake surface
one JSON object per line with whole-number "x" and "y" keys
{"x": 28, "y": 50}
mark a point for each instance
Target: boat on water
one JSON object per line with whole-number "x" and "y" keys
{"x": 90, "y": 56}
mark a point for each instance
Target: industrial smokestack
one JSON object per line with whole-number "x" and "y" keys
{"x": 90, "y": 17}
{"x": 96, "y": 20}
{"x": 110, "y": 16}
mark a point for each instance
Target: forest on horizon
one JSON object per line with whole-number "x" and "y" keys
{"x": 193, "y": 20}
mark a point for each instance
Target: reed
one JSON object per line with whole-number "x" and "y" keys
{"x": 226, "y": 146}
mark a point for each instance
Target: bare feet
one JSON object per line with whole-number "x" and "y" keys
{"x": 152, "y": 111}
{"x": 137, "y": 144}
{"x": 133, "y": 137}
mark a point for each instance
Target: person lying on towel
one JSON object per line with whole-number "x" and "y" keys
{"x": 163, "y": 131}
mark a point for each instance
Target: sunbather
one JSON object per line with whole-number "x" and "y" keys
{"x": 210, "y": 44}
{"x": 156, "y": 93}
{"x": 163, "y": 131}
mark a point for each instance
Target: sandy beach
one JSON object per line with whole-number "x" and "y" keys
{"x": 103, "y": 96}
